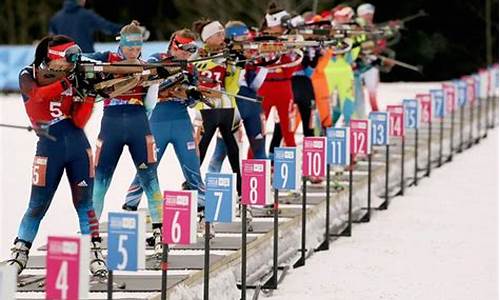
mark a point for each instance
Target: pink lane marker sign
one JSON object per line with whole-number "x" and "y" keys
{"x": 179, "y": 217}
{"x": 67, "y": 268}
{"x": 360, "y": 137}
{"x": 314, "y": 156}
{"x": 450, "y": 97}
{"x": 426, "y": 107}
{"x": 256, "y": 182}
{"x": 396, "y": 120}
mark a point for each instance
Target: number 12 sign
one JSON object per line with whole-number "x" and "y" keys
{"x": 360, "y": 137}
{"x": 396, "y": 120}
{"x": 179, "y": 217}
{"x": 338, "y": 146}
{"x": 126, "y": 231}
{"x": 380, "y": 127}
{"x": 286, "y": 171}
{"x": 220, "y": 197}
{"x": 67, "y": 267}
{"x": 256, "y": 182}
{"x": 314, "y": 156}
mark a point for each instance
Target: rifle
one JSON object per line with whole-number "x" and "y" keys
{"x": 43, "y": 130}
{"x": 393, "y": 61}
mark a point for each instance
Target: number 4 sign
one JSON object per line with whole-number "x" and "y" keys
{"x": 338, "y": 146}
{"x": 360, "y": 137}
{"x": 314, "y": 156}
{"x": 220, "y": 197}
{"x": 396, "y": 120}
{"x": 380, "y": 128}
{"x": 286, "y": 172}
{"x": 67, "y": 267}
{"x": 412, "y": 113}
{"x": 126, "y": 231}
{"x": 179, "y": 217}
{"x": 256, "y": 182}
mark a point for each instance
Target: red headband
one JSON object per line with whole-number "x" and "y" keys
{"x": 56, "y": 52}
{"x": 183, "y": 40}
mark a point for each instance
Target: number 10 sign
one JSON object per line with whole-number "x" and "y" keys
{"x": 67, "y": 267}
{"x": 179, "y": 217}
{"x": 256, "y": 182}
{"x": 314, "y": 156}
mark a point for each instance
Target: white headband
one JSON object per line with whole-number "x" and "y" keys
{"x": 366, "y": 8}
{"x": 275, "y": 19}
{"x": 211, "y": 29}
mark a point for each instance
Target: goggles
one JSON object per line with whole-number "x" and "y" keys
{"x": 70, "y": 51}
{"x": 185, "y": 44}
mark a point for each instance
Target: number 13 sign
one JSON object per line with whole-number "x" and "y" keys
{"x": 396, "y": 120}
{"x": 179, "y": 217}
{"x": 314, "y": 156}
{"x": 256, "y": 182}
{"x": 360, "y": 137}
{"x": 67, "y": 268}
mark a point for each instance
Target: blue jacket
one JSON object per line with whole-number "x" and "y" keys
{"x": 80, "y": 24}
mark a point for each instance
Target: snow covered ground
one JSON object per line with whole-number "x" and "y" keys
{"x": 439, "y": 241}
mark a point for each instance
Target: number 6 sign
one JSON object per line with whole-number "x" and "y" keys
{"x": 220, "y": 197}
{"x": 67, "y": 268}
{"x": 286, "y": 172}
{"x": 126, "y": 232}
{"x": 314, "y": 156}
{"x": 179, "y": 217}
{"x": 256, "y": 182}
{"x": 360, "y": 137}
{"x": 396, "y": 120}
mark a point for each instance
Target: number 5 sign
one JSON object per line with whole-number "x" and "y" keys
{"x": 286, "y": 172}
{"x": 126, "y": 232}
{"x": 338, "y": 146}
{"x": 220, "y": 197}
{"x": 412, "y": 113}
{"x": 179, "y": 217}
{"x": 314, "y": 156}
{"x": 360, "y": 137}
{"x": 380, "y": 128}
{"x": 396, "y": 120}
{"x": 256, "y": 182}
{"x": 67, "y": 268}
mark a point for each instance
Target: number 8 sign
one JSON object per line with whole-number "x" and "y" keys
{"x": 360, "y": 137}
{"x": 256, "y": 182}
{"x": 314, "y": 156}
{"x": 396, "y": 120}
{"x": 67, "y": 267}
{"x": 179, "y": 217}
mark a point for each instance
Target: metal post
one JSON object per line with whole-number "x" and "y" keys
{"x": 206, "y": 268}
{"x": 164, "y": 268}
{"x": 429, "y": 150}
{"x": 415, "y": 179}
{"x": 441, "y": 135}
{"x": 325, "y": 245}
{"x": 110, "y": 284}
{"x": 244, "y": 252}
{"x": 402, "y": 166}
{"x": 301, "y": 262}
{"x": 461, "y": 136}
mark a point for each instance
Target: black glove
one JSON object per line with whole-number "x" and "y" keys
{"x": 193, "y": 96}
{"x": 162, "y": 72}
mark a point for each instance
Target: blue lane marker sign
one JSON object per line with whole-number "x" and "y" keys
{"x": 380, "y": 128}
{"x": 286, "y": 172}
{"x": 412, "y": 113}
{"x": 461, "y": 92}
{"x": 439, "y": 103}
{"x": 338, "y": 151}
{"x": 220, "y": 197}
{"x": 126, "y": 241}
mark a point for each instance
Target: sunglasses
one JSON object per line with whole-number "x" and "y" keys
{"x": 190, "y": 47}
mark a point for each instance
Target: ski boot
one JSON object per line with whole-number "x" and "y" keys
{"x": 97, "y": 264}
{"x": 19, "y": 255}
{"x": 158, "y": 245}
{"x": 201, "y": 226}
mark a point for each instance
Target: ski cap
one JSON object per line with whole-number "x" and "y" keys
{"x": 211, "y": 29}
{"x": 130, "y": 39}
{"x": 275, "y": 19}
{"x": 236, "y": 30}
{"x": 365, "y": 9}
{"x": 342, "y": 11}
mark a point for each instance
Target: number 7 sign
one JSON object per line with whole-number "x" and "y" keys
{"x": 220, "y": 197}
{"x": 360, "y": 137}
{"x": 67, "y": 267}
{"x": 179, "y": 217}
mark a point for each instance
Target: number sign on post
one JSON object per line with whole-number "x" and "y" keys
{"x": 220, "y": 197}
{"x": 67, "y": 267}
{"x": 461, "y": 88}
{"x": 314, "y": 156}
{"x": 256, "y": 182}
{"x": 126, "y": 233}
{"x": 450, "y": 97}
{"x": 179, "y": 217}
{"x": 396, "y": 118}
{"x": 286, "y": 169}
{"x": 439, "y": 104}
{"x": 380, "y": 128}
{"x": 360, "y": 137}
{"x": 412, "y": 113}
{"x": 425, "y": 107}
{"x": 338, "y": 146}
